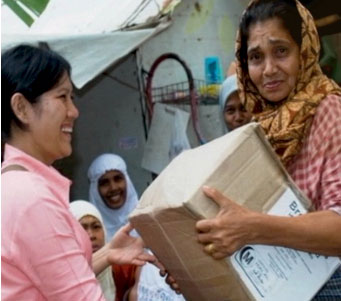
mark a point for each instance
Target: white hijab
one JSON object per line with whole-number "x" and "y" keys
{"x": 114, "y": 219}
{"x": 79, "y": 209}
{"x": 228, "y": 87}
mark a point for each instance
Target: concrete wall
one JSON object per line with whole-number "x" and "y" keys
{"x": 201, "y": 28}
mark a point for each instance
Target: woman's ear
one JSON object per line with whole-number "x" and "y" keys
{"x": 21, "y": 107}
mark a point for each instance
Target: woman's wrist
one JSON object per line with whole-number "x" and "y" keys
{"x": 100, "y": 259}
{"x": 264, "y": 228}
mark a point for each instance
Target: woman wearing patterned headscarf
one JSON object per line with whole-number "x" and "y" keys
{"x": 299, "y": 108}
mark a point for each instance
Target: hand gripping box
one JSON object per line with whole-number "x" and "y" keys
{"x": 244, "y": 167}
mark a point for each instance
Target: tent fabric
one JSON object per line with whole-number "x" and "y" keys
{"x": 91, "y": 16}
{"x": 92, "y": 35}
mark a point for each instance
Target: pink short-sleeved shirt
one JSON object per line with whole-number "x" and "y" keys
{"x": 317, "y": 168}
{"x": 45, "y": 253}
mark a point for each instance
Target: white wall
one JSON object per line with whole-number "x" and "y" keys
{"x": 201, "y": 28}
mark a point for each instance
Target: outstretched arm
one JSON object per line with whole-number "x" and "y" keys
{"x": 122, "y": 249}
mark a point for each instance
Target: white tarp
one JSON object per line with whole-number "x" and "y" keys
{"x": 89, "y": 55}
{"x": 94, "y": 16}
{"x": 167, "y": 132}
{"x": 88, "y": 33}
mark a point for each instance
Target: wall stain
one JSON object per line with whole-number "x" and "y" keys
{"x": 227, "y": 34}
{"x": 199, "y": 16}
{"x": 197, "y": 7}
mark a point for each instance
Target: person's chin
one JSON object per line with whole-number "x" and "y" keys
{"x": 276, "y": 96}
{"x": 114, "y": 205}
{"x": 66, "y": 151}
{"x": 95, "y": 249}
{"x": 233, "y": 127}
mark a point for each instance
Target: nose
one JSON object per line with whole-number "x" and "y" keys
{"x": 112, "y": 185}
{"x": 72, "y": 110}
{"x": 91, "y": 234}
{"x": 239, "y": 116}
{"x": 270, "y": 67}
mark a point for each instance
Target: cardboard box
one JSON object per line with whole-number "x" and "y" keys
{"x": 244, "y": 167}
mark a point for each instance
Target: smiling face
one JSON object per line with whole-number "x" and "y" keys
{"x": 273, "y": 59}
{"x": 235, "y": 114}
{"x": 51, "y": 123}
{"x": 94, "y": 228}
{"x": 112, "y": 187}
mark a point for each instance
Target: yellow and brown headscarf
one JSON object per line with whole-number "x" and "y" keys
{"x": 287, "y": 123}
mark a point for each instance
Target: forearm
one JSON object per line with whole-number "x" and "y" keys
{"x": 100, "y": 259}
{"x": 317, "y": 232}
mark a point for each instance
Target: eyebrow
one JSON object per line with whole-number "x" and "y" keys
{"x": 96, "y": 223}
{"x": 228, "y": 105}
{"x": 272, "y": 41}
{"x": 65, "y": 90}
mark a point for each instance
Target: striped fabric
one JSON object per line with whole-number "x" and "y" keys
{"x": 317, "y": 168}
{"x": 317, "y": 171}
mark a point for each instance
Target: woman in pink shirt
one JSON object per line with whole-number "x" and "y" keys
{"x": 46, "y": 254}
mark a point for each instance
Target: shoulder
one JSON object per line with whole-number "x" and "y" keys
{"x": 329, "y": 109}
{"x": 21, "y": 194}
{"x": 18, "y": 186}
{"x": 26, "y": 195}
{"x": 327, "y": 119}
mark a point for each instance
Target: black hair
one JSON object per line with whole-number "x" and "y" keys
{"x": 262, "y": 10}
{"x": 30, "y": 71}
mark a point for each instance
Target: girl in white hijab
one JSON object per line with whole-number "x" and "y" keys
{"x": 149, "y": 284}
{"x": 234, "y": 113}
{"x": 79, "y": 210}
{"x": 114, "y": 216}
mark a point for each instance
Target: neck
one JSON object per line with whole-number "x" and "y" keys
{"x": 23, "y": 141}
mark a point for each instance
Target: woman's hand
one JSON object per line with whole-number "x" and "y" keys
{"x": 126, "y": 249}
{"x": 229, "y": 230}
{"x": 170, "y": 280}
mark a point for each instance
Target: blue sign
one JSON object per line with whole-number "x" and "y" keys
{"x": 213, "y": 70}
